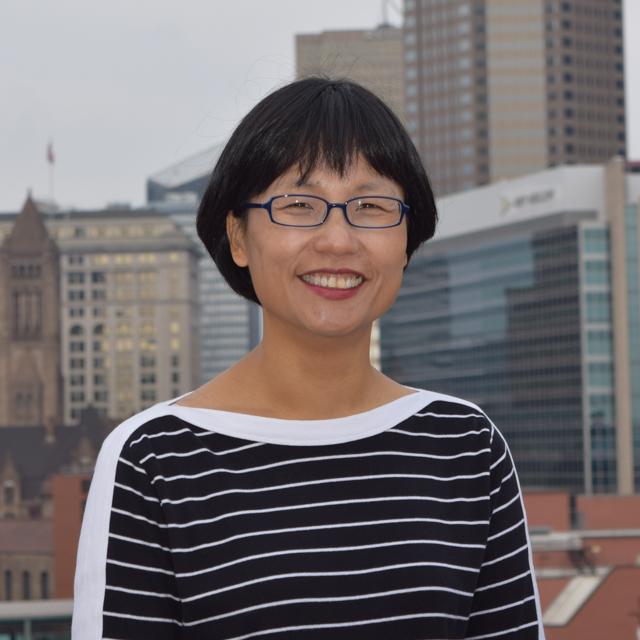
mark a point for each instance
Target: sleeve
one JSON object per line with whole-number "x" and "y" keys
{"x": 505, "y": 604}
{"x": 125, "y": 585}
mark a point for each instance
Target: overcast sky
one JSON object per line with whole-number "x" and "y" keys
{"x": 125, "y": 88}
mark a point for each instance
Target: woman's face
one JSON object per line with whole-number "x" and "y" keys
{"x": 300, "y": 274}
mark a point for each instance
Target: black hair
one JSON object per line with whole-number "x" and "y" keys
{"x": 309, "y": 122}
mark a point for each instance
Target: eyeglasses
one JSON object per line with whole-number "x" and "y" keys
{"x": 301, "y": 210}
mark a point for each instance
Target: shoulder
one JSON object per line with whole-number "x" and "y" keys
{"x": 434, "y": 400}
{"x": 148, "y": 421}
{"x": 459, "y": 410}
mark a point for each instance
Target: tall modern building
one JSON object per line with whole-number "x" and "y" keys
{"x": 527, "y": 302}
{"x": 497, "y": 89}
{"x": 371, "y": 57}
{"x": 98, "y": 306}
{"x": 229, "y": 325}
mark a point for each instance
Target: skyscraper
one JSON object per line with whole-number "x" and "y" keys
{"x": 527, "y": 303}
{"x": 497, "y": 89}
{"x": 372, "y": 57}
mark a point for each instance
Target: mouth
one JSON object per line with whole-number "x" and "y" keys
{"x": 333, "y": 280}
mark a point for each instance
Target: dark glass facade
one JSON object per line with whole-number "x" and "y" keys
{"x": 498, "y": 322}
{"x": 633, "y": 298}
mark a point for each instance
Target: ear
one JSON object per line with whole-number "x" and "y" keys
{"x": 236, "y": 235}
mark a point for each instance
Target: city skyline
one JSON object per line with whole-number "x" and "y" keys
{"x": 123, "y": 102}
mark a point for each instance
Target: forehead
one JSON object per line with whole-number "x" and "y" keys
{"x": 358, "y": 175}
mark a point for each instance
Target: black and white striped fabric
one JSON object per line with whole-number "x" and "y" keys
{"x": 404, "y": 522}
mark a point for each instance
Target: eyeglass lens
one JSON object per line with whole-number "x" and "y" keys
{"x": 303, "y": 210}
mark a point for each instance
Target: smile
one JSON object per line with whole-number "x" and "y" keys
{"x": 332, "y": 281}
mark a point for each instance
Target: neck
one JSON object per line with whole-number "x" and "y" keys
{"x": 316, "y": 378}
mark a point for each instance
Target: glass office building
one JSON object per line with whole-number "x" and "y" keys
{"x": 525, "y": 304}
{"x": 229, "y": 325}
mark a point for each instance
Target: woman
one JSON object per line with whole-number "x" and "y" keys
{"x": 302, "y": 493}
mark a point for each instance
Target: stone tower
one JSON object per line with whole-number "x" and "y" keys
{"x": 30, "y": 378}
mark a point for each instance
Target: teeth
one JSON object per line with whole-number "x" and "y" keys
{"x": 332, "y": 281}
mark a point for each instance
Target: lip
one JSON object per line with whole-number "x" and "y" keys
{"x": 333, "y": 294}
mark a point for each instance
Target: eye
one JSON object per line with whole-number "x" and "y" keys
{"x": 299, "y": 205}
{"x": 375, "y": 205}
{"x": 368, "y": 204}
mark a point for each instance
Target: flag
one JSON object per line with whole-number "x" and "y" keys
{"x": 50, "y": 157}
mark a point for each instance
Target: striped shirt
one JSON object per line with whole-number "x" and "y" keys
{"x": 402, "y": 522}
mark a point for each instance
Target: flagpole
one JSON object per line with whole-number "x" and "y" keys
{"x": 51, "y": 161}
{"x": 51, "y": 181}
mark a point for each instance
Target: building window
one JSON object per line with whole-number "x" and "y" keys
{"x": 600, "y": 374}
{"x": 147, "y": 361}
{"x": 75, "y": 277}
{"x": 599, "y": 343}
{"x": 101, "y": 396}
{"x": 148, "y": 394}
{"x": 26, "y": 585}
{"x": 9, "y": 493}
{"x": 98, "y": 277}
{"x": 76, "y": 294}
{"x": 598, "y": 307}
{"x": 76, "y": 330}
{"x": 148, "y": 378}
{"x": 44, "y": 585}
{"x": 8, "y": 585}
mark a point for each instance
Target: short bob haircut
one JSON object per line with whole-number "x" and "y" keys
{"x": 310, "y": 122}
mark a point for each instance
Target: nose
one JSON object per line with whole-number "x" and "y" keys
{"x": 336, "y": 235}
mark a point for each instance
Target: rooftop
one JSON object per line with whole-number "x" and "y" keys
{"x": 191, "y": 168}
{"x": 569, "y": 188}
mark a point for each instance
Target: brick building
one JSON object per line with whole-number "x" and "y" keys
{"x": 586, "y": 552}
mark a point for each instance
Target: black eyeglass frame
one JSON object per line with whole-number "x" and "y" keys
{"x": 404, "y": 209}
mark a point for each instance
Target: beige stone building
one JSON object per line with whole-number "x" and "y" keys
{"x": 496, "y": 89}
{"x": 371, "y": 57}
{"x": 110, "y": 320}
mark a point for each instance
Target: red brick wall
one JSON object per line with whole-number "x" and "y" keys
{"x": 548, "y": 509}
{"x": 68, "y": 506}
{"x": 609, "y": 512}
